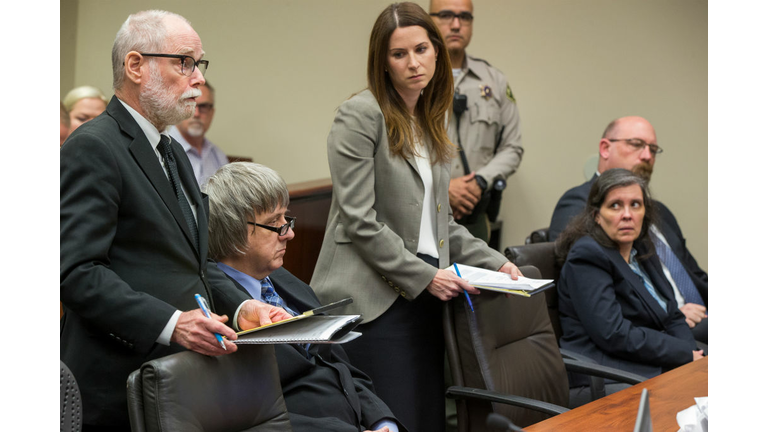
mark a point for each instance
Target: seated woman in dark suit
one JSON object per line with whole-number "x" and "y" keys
{"x": 616, "y": 306}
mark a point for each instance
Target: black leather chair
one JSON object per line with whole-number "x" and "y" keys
{"x": 538, "y": 236}
{"x": 70, "y": 401}
{"x": 541, "y": 256}
{"x": 191, "y": 392}
{"x": 504, "y": 358}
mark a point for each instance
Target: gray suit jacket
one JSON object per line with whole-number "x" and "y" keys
{"x": 369, "y": 249}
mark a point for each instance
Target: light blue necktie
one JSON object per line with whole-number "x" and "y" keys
{"x": 270, "y": 296}
{"x": 635, "y": 266}
{"x": 679, "y": 274}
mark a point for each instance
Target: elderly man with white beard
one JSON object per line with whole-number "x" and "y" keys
{"x": 134, "y": 227}
{"x": 204, "y": 156}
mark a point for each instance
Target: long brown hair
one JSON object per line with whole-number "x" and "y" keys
{"x": 435, "y": 99}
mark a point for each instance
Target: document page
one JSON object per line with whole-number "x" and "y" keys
{"x": 310, "y": 329}
{"x": 488, "y": 278}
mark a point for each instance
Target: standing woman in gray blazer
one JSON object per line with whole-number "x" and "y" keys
{"x": 390, "y": 230}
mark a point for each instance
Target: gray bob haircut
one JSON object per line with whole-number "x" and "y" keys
{"x": 142, "y": 32}
{"x": 235, "y": 192}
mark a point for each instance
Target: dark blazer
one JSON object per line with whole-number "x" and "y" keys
{"x": 127, "y": 260}
{"x": 574, "y": 201}
{"x": 608, "y": 315}
{"x": 322, "y": 391}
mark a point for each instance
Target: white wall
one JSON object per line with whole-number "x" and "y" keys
{"x": 281, "y": 67}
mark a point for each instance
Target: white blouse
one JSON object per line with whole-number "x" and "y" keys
{"x": 428, "y": 230}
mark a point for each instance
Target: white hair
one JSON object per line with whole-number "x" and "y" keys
{"x": 143, "y": 31}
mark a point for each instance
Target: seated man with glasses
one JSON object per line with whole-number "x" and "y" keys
{"x": 249, "y": 233}
{"x": 630, "y": 143}
{"x": 204, "y": 156}
{"x": 487, "y": 134}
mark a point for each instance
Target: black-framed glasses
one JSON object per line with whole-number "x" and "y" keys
{"x": 282, "y": 229}
{"x": 446, "y": 16}
{"x": 639, "y": 145}
{"x": 205, "y": 107}
{"x": 188, "y": 64}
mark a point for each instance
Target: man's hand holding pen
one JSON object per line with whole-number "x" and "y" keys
{"x": 201, "y": 334}
{"x": 196, "y": 332}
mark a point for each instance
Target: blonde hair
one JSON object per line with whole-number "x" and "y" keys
{"x": 83, "y": 92}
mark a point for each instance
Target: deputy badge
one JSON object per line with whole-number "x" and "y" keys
{"x": 509, "y": 94}
{"x": 485, "y": 92}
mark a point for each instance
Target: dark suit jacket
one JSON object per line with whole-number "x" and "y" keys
{"x": 574, "y": 201}
{"x": 608, "y": 315}
{"x": 127, "y": 259}
{"x": 323, "y": 391}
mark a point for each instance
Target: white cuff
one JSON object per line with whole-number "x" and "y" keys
{"x": 165, "y": 335}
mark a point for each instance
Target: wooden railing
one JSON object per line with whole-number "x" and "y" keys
{"x": 310, "y": 203}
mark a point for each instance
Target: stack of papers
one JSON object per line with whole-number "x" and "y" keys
{"x": 501, "y": 282}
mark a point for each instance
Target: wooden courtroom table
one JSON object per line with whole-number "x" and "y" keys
{"x": 670, "y": 393}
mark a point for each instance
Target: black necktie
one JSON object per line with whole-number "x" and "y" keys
{"x": 173, "y": 175}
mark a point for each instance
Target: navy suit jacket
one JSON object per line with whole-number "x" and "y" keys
{"x": 127, "y": 259}
{"x": 573, "y": 202}
{"x": 607, "y": 314}
{"x": 323, "y": 391}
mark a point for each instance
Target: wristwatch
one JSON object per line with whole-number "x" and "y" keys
{"x": 481, "y": 182}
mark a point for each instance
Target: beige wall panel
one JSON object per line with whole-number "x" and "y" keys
{"x": 280, "y": 69}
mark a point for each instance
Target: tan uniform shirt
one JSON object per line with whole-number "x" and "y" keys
{"x": 490, "y": 106}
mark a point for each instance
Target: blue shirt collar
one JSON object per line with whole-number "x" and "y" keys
{"x": 250, "y": 283}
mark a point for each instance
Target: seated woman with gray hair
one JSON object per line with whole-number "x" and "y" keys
{"x": 249, "y": 232}
{"x": 615, "y": 304}
{"x": 84, "y": 103}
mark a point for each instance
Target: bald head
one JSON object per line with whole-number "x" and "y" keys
{"x": 457, "y": 33}
{"x": 621, "y": 146}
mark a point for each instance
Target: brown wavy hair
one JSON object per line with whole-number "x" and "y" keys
{"x": 435, "y": 99}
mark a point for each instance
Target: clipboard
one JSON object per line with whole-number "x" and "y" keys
{"x": 312, "y": 312}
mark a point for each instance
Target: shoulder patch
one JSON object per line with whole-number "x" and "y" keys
{"x": 510, "y": 96}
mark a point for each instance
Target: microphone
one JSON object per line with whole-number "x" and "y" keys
{"x": 459, "y": 104}
{"x": 498, "y": 421}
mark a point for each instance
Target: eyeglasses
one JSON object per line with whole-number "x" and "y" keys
{"x": 205, "y": 107}
{"x": 639, "y": 145}
{"x": 282, "y": 229}
{"x": 447, "y": 16}
{"x": 188, "y": 64}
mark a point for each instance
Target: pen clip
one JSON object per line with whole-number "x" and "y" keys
{"x": 205, "y": 304}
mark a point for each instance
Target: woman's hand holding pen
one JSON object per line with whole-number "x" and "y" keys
{"x": 446, "y": 285}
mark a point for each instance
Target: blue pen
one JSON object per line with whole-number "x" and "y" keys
{"x": 466, "y": 294}
{"x": 207, "y": 312}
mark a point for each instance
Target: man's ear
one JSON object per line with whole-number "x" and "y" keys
{"x": 132, "y": 64}
{"x": 605, "y": 148}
